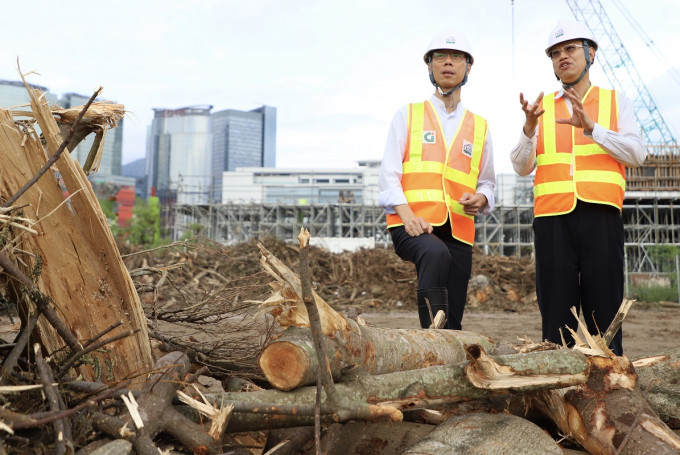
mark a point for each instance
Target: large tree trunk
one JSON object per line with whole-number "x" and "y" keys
{"x": 608, "y": 414}
{"x": 487, "y": 434}
{"x": 658, "y": 380}
{"x": 416, "y": 389}
{"x": 82, "y": 271}
{"x": 290, "y": 361}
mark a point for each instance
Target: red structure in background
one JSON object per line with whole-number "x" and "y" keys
{"x": 125, "y": 201}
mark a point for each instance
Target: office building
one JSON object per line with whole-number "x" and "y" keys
{"x": 14, "y": 94}
{"x": 179, "y": 155}
{"x": 111, "y": 158}
{"x": 242, "y": 139}
{"x": 302, "y": 186}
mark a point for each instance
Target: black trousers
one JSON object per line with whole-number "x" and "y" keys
{"x": 579, "y": 263}
{"x": 441, "y": 261}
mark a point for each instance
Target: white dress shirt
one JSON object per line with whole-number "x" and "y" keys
{"x": 624, "y": 145}
{"x": 389, "y": 184}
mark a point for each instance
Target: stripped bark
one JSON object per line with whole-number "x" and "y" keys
{"x": 608, "y": 414}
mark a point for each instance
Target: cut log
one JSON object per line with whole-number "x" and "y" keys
{"x": 405, "y": 390}
{"x": 82, "y": 271}
{"x": 486, "y": 434}
{"x": 290, "y": 360}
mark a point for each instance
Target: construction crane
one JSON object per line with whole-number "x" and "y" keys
{"x": 621, "y": 72}
{"x": 658, "y": 180}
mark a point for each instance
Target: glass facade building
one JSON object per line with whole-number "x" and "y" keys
{"x": 178, "y": 158}
{"x": 242, "y": 139}
{"x": 112, "y": 154}
{"x": 14, "y": 94}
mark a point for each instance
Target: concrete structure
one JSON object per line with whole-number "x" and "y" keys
{"x": 302, "y": 186}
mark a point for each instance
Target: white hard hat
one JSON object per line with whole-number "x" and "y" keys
{"x": 451, "y": 40}
{"x": 567, "y": 31}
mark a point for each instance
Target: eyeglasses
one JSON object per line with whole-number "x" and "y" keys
{"x": 441, "y": 56}
{"x": 569, "y": 49}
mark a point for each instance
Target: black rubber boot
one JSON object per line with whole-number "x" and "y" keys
{"x": 438, "y": 298}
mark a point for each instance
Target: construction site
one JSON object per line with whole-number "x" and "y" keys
{"x": 240, "y": 335}
{"x": 650, "y": 211}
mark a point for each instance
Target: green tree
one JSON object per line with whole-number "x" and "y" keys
{"x": 144, "y": 228}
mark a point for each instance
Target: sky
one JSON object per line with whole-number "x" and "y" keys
{"x": 336, "y": 70}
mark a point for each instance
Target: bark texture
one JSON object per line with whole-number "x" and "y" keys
{"x": 289, "y": 361}
{"x": 608, "y": 414}
{"x": 486, "y": 434}
{"x": 405, "y": 390}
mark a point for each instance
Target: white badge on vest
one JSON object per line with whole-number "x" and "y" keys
{"x": 467, "y": 149}
{"x": 429, "y": 137}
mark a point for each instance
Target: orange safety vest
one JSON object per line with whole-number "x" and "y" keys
{"x": 435, "y": 175}
{"x": 570, "y": 165}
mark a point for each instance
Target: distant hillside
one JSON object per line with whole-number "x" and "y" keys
{"x": 136, "y": 168}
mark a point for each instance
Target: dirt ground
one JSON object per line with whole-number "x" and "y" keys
{"x": 648, "y": 329}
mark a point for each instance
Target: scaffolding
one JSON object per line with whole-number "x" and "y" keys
{"x": 235, "y": 223}
{"x": 649, "y": 219}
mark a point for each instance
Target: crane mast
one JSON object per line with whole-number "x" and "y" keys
{"x": 622, "y": 74}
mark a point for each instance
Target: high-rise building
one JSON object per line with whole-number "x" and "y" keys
{"x": 178, "y": 156}
{"x": 14, "y": 93}
{"x": 242, "y": 139}
{"x": 112, "y": 154}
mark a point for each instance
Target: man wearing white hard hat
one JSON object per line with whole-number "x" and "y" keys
{"x": 436, "y": 176}
{"x": 579, "y": 140}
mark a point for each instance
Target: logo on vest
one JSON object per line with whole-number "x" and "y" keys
{"x": 429, "y": 137}
{"x": 467, "y": 149}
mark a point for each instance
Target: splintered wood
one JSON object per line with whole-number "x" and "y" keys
{"x": 73, "y": 255}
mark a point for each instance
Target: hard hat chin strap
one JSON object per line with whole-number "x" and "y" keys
{"x": 586, "y": 50}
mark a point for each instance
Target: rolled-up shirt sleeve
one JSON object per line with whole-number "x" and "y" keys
{"x": 523, "y": 156}
{"x": 624, "y": 145}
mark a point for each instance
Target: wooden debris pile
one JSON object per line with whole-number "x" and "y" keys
{"x": 369, "y": 279}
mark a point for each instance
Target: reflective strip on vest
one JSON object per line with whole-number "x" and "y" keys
{"x": 416, "y": 147}
{"x": 577, "y": 167}
{"x": 435, "y": 174}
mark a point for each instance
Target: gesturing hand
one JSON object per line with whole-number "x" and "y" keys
{"x": 532, "y": 111}
{"x": 579, "y": 118}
